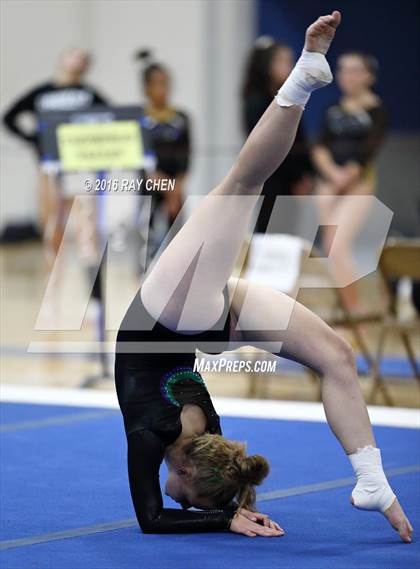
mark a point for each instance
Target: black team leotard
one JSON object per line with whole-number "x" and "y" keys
{"x": 49, "y": 97}
{"x": 353, "y": 136}
{"x": 152, "y": 387}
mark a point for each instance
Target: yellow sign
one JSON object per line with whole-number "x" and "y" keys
{"x": 100, "y": 146}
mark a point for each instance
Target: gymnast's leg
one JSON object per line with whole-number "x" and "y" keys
{"x": 201, "y": 257}
{"x": 268, "y": 316}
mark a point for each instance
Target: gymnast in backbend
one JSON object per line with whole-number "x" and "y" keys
{"x": 190, "y": 300}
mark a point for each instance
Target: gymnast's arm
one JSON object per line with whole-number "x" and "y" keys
{"x": 11, "y": 118}
{"x": 145, "y": 455}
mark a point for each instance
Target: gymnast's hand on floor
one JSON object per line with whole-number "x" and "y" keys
{"x": 252, "y": 524}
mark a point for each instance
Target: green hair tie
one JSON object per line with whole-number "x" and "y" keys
{"x": 217, "y": 477}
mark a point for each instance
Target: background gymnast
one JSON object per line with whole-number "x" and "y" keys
{"x": 188, "y": 299}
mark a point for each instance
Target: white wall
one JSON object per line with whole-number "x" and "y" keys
{"x": 32, "y": 34}
{"x": 202, "y": 41}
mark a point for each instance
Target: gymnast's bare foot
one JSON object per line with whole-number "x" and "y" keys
{"x": 320, "y": 34}
{"x": 398, "y": 520}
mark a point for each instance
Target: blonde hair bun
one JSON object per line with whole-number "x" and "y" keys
{"x": 254, "y": 469}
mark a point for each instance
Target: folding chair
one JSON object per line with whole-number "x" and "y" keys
{"x": 400, "y": 258}
{"x": 275, "y": 260}
{"x": 329, "y": 304}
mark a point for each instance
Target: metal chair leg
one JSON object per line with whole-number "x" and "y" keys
{"x": 377, "y": 381}
{"x": 362, "y": 344}
{"x": 411, "y": 355}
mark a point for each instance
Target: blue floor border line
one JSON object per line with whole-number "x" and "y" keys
{"x": 132, "y": 522}
{"x": 57, "y": 420}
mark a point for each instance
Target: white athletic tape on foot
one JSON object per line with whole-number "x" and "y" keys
{"x": 372, "y": 491}
{"x": 311, "y": 72}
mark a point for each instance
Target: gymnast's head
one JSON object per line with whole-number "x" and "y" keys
{"x": 155, "y": 79}
{"x": 356, "y": 72}
{"x": 214, "y": 472}
{"x": 74, "y": 63}
{"x": 268, "y": 66}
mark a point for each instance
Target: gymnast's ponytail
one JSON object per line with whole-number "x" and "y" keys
{"x": 149, "y": 65}
{"x": 253, "y": 471}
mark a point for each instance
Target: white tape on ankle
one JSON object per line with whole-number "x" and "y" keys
{"x": 311, "y": 72}
{"x": 372, "y": 491}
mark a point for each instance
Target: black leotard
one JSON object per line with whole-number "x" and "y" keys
{"x": 170, "y": 137}
{"x": 50, "y": 97}
{"x": 152, "y": 387}
{"x": 353, "y": 136}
